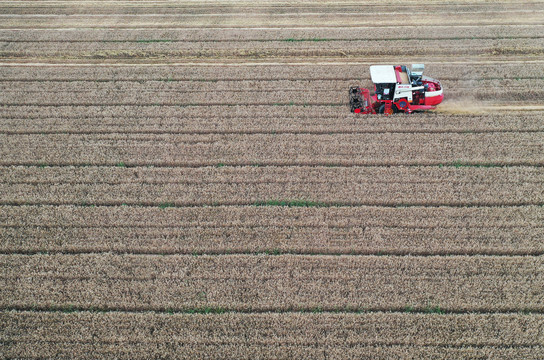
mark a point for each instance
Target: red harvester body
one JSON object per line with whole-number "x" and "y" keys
{"x": 397, "y": 89}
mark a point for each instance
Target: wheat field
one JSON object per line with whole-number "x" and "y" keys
{"x": 183, "y": 179}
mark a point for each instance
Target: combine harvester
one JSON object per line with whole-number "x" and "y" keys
{"x": 397, "y": 89}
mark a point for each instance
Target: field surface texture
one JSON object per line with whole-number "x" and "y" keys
{"x": 183, "y": 179}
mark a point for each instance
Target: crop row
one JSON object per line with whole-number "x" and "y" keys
{"x": 460, "y": 69}
{"x": 156, "y": 52}
{"x": 293, "y": 35}
{"x": 280, "y": 336}
{"x": 265, "y": 283}
{"x": 249, "y": 185}
{"x": 13, "y": 118}
{"x": 273, "y": 149}
{"x": 258, "y": 86}
{"x": 395, "y": 187}
{"x": 219, "y": 20}
{"x": 272, "y": 119}
{"x": 166, "y": 86}
{"x": 273, "y": 216}
{"x": 273, "y": 229}
{"x": 108, "y": 94}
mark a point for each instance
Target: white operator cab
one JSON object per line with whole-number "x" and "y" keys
{"x": 394, "y": 83}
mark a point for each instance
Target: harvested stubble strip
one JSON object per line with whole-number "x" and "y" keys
{"x": 279, "y": 46}
{"x": 392, "y": 186}
{"x": 279, "y": 336}
{"x": 445, "y": 70}
{"x": 276, "y": 34}
{"x": 348, "y": 230}
{"x": 243, "y": 20}
{"x": 296, "y": 121}
{"x": 194, "y": 7}
{"x": 265, "y": 283}
{"x": 232, "y": 8}
{"x": 273, "y": 149}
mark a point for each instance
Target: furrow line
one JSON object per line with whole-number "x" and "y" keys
{"x": 270, "y": 252}
{"x": 255, "y": 132}
{"x": 364, "y": 311}
{"x": 197, "y": 204}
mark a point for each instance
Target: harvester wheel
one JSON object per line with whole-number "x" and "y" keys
{"x": 393, "y": 110}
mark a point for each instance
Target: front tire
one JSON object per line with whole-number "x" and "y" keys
{"x": 393, "y": 110}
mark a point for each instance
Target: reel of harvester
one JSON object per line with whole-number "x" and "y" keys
{"x": 360, "y": 101}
